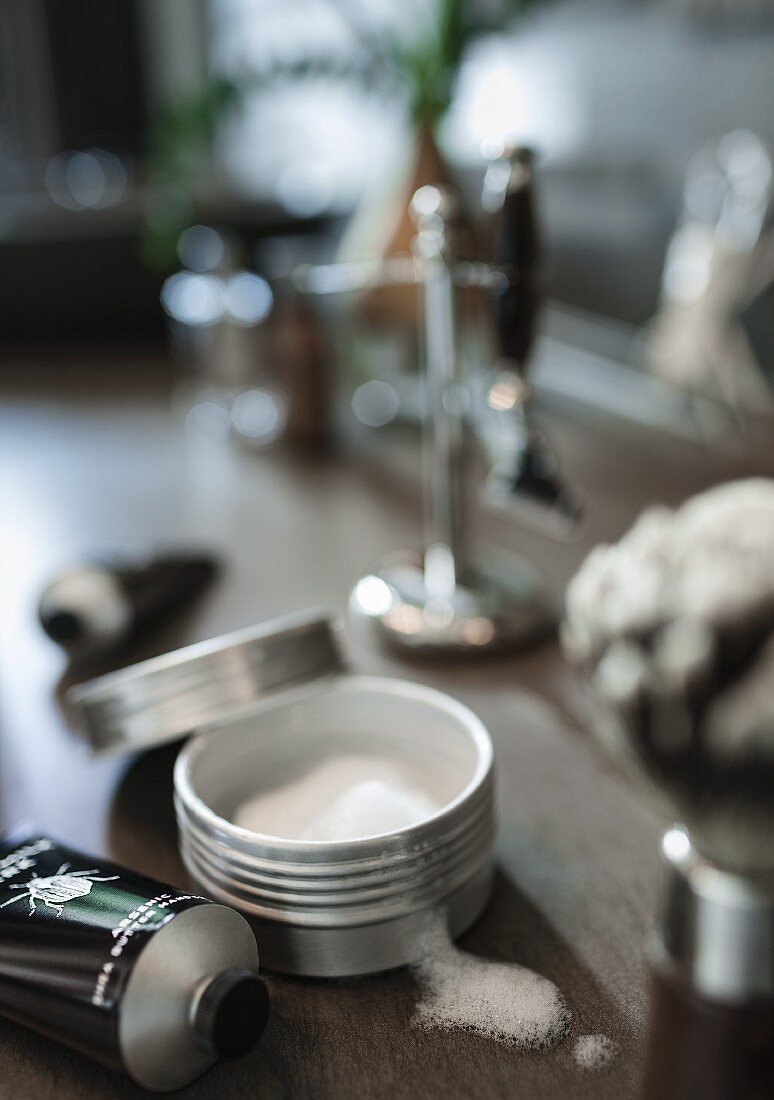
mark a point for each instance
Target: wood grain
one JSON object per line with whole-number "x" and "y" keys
{"x": 93, "y": 461}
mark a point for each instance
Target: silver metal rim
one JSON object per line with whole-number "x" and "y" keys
{"x": 347, "y": 906}
{"x": 290, "y": 878}
{"x": 329, "y": 852}
{"x": 389, "y": 863}
{"x": 718, "y": 927}
{"x": 167, "y": 697}
{"x": 346, "y": 915}
{"x": 306, "y": 892}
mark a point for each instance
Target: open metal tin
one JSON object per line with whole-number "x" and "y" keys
{"x": 261, "y": 703}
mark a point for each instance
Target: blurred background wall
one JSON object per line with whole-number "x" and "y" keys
{"x": 97, "y": 100}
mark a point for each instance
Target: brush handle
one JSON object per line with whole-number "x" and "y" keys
{"x": 516, "y": 243}
{"x": 699, "y": 1048}
{"x": 96, "y": 607}
{"x": 516, "y": 253}
{"x": 516, "y": 315}
{"x": 159, "y": 586}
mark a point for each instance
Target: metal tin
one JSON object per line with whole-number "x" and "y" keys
{"x": 331, "y": 909}
{"x": 168, "y": 697}
{"x": 324, "y": 909}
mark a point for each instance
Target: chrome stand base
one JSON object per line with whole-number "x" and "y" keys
{"x": 499, "y": 603}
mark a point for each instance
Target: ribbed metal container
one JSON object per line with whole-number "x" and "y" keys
{"x": 331, "y": 909}
{"x": 263, "y": 701}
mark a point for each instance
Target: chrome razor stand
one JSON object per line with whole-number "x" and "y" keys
{"x": 445, "y": 599}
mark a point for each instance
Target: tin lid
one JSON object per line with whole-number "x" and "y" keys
{"x": 167, "y": 697}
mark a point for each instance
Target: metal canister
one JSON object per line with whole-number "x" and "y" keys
{"x": 343, "y": 907}
{"x": 319, "y": 908}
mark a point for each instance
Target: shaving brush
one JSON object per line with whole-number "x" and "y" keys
{"x": 674, "y": 626}
{"x": 96, "y": 608}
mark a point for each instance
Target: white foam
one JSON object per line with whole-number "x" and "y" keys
{"x": 595, "y": 1052}
{"x": 341, "y": 799}
{"x": 709, "y": 562}
{"x": 654, "y": 611}
{"x": 501, "y": 1001}
{"x": 369, "y": 808}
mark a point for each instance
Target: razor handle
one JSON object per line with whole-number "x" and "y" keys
{"x": 516, "y": 254}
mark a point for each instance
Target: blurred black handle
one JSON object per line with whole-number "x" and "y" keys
{"x": 162, "y": 585}
{"x": 517, "y": 253}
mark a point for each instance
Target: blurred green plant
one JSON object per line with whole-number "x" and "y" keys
{"x": 421, "y": 63}
{"x": 429, "y": 65}
{"x": 181, "y": 141}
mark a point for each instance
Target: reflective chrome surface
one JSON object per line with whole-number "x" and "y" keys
{"x": 425, "y": 604}
{"x": 718, "y": 929}
{"x": 442, "y": 601}
{"x": 167, "y": 697}
{"x": 447, "y": 601}
{"x": 158, "y": 1041}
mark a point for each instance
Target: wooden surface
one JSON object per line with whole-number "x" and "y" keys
{"x": 97, "y": 460}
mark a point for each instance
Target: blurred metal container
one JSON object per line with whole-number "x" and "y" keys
{"x": 259, "y": 699}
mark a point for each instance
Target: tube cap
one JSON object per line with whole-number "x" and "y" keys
{"x": 231, "y": 1012}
